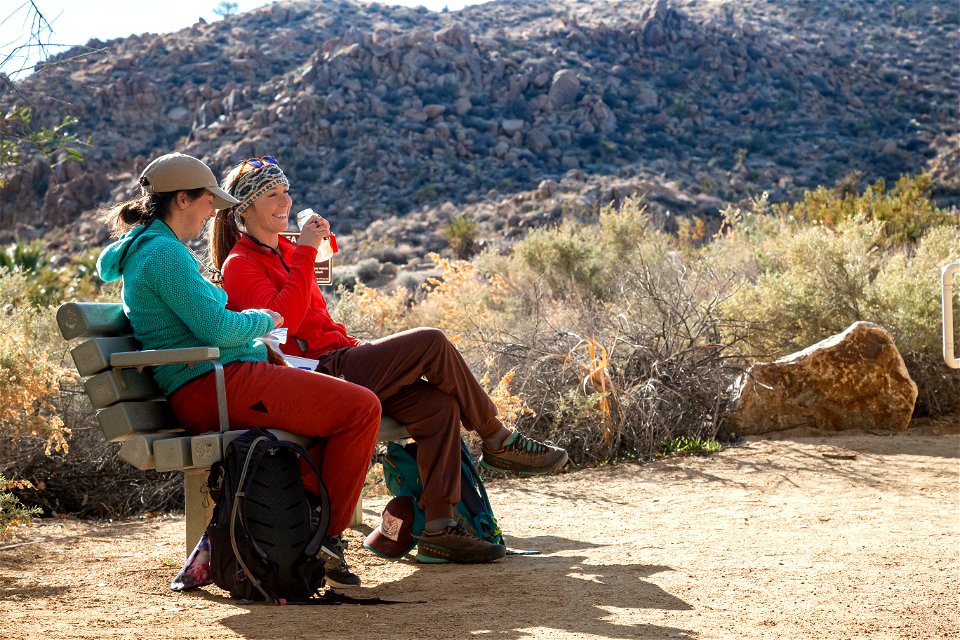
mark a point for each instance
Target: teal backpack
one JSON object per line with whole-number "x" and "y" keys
{"x": 402, "y": 477}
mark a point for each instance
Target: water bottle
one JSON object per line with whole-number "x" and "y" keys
{"x": 328, "y": 245}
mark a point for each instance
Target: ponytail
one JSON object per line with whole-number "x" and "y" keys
{"x": 126, "y": 215}
{"x": 223, "y": 234}
{"x": 148, "y": 207}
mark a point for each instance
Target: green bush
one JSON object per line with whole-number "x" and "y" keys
{"x": 45, "y": 285}
{"x": 12, "y": 512}
{"x": 461, "y": 234}
{"x": 906, "y": 211}
{"x": 563, "y": 258}
{"x": 368, "y": 269}
{"x": 812, "y": 282}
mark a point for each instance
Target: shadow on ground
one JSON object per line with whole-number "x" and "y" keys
{"x": 571, "y": 596}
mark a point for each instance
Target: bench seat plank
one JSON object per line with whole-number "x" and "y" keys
{"x": 138, "y": 449}
{"x": 173, "y": 454}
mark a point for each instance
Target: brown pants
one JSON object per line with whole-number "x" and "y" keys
{"x": 423, "y": 383}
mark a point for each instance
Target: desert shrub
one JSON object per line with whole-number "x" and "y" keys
{"x": 905, "y": 299}
{"x": 613, "y": 377}
{"x": 20, "y": 257}
{"x": 371, "y": 313}
{"x": 610, "y": 337}
{"x": 46, "y": 285}
{"x": 563, "y": 258}
{"x": 905, "y": 293}
{"x": 465, "y": 302}
{"x": 813, "y": 282}
{"x": 30, "y": 367}
{"x": 622, "y": 227}
{"x": 52, "y": 449}
{"x": 30, "y": 375}
{"x": 368, "y": 269}
{"x": 90, "y": 481}
{"x": 906, "y": 211}
{"x": 683, "y": 445}
{"x": 579, "y": 256}
{"x": 461, "y": 234}
{"x": 12, "y": 512}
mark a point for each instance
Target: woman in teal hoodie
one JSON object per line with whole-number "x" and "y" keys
{"x": 171, "y": 305}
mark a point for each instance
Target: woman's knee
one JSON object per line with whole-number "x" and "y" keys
{"x": 433, "y": 339}
{"x": 366, "y": 403}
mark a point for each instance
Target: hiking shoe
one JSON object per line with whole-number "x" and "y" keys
{"x": 523, "y": 455}
{"x": 456, "y": 544}
{"x": 336, "y": 573}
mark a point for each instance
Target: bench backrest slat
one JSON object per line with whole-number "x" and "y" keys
{"x": 120, "y": 385}
{"x": 93, "y": 356}
{"x": 127, "y": 418}
{"x": 80, "y": 319}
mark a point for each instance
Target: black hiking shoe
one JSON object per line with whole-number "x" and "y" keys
{"x": 335, "y": 570}
{"x": 456, "y": 544}
{"x": 523, "y": 455}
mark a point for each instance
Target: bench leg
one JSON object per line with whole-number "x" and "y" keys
{"x": 198, "y": 506}
{"x": 357, "y": 521}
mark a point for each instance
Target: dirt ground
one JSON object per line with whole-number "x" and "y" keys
{"x": 847, "y": 537}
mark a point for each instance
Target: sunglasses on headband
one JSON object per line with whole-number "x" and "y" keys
{"x": 253, "y": 164}
{"x": 257, "y": 163}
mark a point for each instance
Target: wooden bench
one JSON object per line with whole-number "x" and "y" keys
{"x": 132, "y": 409}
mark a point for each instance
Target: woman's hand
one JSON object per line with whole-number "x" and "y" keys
{"x": 276, "y": 317}
{"x": 315, "y": 230}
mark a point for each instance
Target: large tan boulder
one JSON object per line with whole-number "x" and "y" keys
{"x": 853, "y": 380}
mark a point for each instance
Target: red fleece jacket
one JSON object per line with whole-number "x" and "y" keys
{"x": 255, "y": 277}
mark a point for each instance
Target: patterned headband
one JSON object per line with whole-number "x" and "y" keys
{"x": 253, "y": 184}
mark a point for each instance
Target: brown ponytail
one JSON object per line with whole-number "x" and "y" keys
{"x": 223, "y": 234}
{"x": 123, "y": 216}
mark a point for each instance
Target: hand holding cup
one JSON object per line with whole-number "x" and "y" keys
{"x": 313, "y": 229}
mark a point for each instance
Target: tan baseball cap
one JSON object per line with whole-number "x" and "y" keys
{"x": 180, "y": 172}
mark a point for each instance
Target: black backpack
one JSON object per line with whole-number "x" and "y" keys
{"x": 267, "y": 533}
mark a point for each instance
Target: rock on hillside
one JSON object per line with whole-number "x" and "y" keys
{"x": 385, "y": 113}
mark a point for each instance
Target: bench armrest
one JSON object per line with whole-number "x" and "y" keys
{"x": 155, "y": 357}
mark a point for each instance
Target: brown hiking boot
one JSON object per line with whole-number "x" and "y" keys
{"x": 456, "y": 544}
{"x": 523, "y": 455}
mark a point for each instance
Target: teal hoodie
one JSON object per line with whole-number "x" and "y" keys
{"x": 170, "y": 305}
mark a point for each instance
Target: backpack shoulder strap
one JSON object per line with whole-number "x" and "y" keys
{"x": 250, "y": 464}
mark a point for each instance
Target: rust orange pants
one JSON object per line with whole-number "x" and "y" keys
{"x": 345, "y": 415}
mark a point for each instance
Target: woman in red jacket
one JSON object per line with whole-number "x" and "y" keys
{"x": 421, "y": 379}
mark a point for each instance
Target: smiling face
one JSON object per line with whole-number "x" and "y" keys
{"x": 268, "y": 215}
{"x": 188, "y": 215}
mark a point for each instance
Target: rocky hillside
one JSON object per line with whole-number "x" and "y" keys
{"x": 392, "y": 119}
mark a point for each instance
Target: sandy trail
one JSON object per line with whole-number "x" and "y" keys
{"x": 846, "y": 537}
